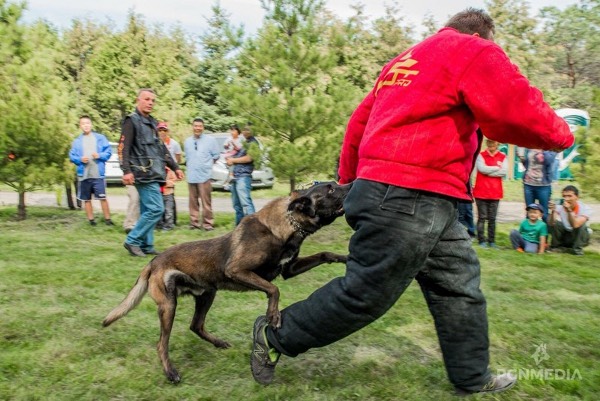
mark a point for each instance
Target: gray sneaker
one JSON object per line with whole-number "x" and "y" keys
{"x": 496, "y": 384}
{"x": 263, "y": 358}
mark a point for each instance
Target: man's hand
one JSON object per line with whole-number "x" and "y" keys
{"x": 551, "y": 206}
{"x": 229, "y": 161}
{"x": 179, "y": 174}
{"x": 129, "y": 179}
{"x": 85, "y": 159}
{"x": 95, "y": 155}
{"x": 568, "y": 206}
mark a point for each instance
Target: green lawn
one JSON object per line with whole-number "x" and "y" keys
{"x": 60, "y": 277}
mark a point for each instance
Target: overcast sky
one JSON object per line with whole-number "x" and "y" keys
{"x": 192, "y": 14}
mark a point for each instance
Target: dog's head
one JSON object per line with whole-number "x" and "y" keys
{"x": 318, "y": 205}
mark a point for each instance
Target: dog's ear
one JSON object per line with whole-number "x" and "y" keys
{"x": 303, "y": 205}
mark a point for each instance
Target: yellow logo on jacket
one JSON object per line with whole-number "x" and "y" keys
{"x": 400, "y": 73}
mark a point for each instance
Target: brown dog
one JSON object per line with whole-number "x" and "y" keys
{"x": 263, "y": 246}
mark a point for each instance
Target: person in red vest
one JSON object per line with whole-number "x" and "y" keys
{"x": 491, "y": 166}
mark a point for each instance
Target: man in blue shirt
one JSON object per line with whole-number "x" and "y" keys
{"x": 201, "y": 152}
{"x": 89, "y": 152}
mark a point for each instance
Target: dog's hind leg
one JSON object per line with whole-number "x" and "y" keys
{"x": 203, "y": 304}
{"x": 166, "y": 315}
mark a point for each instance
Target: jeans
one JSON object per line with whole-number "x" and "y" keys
{"x": 540, "y": 193}
{"x": 151, "y": 211}
{"x": 240, "y": 197}
{"x": 517, "y": 241}
{"x": 487, "y": 210}
{"x": 400, "y": 235}
{"x": 465, "y": 217}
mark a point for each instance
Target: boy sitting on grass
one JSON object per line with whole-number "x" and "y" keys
{"x": 531, "y": 235}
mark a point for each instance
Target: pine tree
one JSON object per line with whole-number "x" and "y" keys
{"x": 34, "y": 125}
{"x": 287, "y": 88}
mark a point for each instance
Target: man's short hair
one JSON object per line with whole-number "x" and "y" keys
{"x": 198, "y": 120}
{"x": 571, "y": 188}
{"x": 81, "y": 117}
{"x": 473, "y": 20}
{"x": 145, "y": 90}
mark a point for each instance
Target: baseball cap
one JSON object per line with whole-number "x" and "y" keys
{"x": 535, "y": 206}
{"x": 162, "y": 125}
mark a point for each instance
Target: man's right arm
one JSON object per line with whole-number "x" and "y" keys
{"x": 127, "y": 135}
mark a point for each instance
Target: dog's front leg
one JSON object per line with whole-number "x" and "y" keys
{"x": 254, "y": 281}
{"x": 304, "y": 264}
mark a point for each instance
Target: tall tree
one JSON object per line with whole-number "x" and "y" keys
{"x": 393, "y": 34}
{"x": 114, "y": 66}
{"x": 516, "y": 33}
{"x": 33, "y": 139}
{"x": 574, "y": 34}
{"x": 218, "y": 45}
{"x": 286, "y": 88}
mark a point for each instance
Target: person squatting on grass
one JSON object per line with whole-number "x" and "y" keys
{"x": 532, "y": 233}
{"x": 403, "y": 203}
{"x": 568, "y": 222}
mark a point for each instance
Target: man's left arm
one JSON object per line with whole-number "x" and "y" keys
{"x": 104, "y": 147}
{"x": 507, "y": 108}
{"x": 352, "y": 138}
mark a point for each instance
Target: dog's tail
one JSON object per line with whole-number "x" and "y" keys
{"x": 132, "y": 299}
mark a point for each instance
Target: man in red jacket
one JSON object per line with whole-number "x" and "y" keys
{"x": 403, "y": 202}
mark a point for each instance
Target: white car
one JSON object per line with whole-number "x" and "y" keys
{"x": 113, "y": 173}
{"x": 261, "y": 178}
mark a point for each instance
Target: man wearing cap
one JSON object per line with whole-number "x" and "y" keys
{"x": 143, "y": 157}
{"x": 532, "y": 233}
{"x": 201, "y": 152}
{"x": 169, "y": 219}
{"x": 170, "y": 143}
{"x": 568, "y": 222}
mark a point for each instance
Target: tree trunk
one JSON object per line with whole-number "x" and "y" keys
{"x": 292, "y": 184}
{"x": 21, "y": 212}
{"x": 69, "y": 195}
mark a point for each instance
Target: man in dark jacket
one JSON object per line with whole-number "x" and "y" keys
{"x": 143, "y": 157}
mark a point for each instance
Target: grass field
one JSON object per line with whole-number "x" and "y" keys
{"x": 60, "y": 277}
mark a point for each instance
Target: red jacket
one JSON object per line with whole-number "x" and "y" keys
{"x": 489, "y": 186}
{"x": 416, "y": 128}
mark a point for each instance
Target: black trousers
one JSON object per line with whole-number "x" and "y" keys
{"x": 487, "y": 210}
{"x": 400, "y": 235}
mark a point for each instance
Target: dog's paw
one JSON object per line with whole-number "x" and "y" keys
{"x": 274, "y": 319}
{"x": 221, "y": 344}
{"x": 173, "y": 376}
{"x": 335, "y": 258}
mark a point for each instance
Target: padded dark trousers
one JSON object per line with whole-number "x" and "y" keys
{"x": 400, "y": 234}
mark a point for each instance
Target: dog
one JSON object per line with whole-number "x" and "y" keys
{"x": 263, "y": 246}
